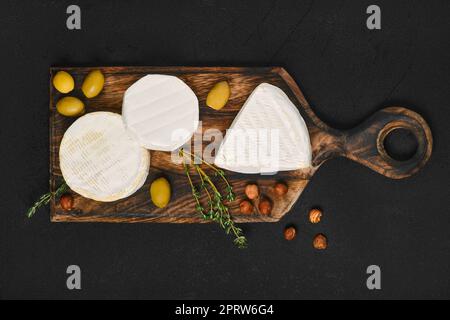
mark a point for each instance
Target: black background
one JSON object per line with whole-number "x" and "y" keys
{"x": 346, "y": 72}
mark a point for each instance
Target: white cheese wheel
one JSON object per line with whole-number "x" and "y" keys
{"x": 161, "y": 112}
{"x": 267, "y": 135}
{"x": 99, "y": 160}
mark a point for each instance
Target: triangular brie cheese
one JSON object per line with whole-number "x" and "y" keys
{"x": 267, "y": 135}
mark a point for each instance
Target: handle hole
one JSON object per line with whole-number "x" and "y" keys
{"x": 400, "y": 144}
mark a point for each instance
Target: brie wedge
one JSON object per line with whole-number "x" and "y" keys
{"x": 161, "y": 112}
{"x": 267, "y": 135}
{"x": 99, "y": 160}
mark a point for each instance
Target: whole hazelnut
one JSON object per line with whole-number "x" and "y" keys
{"x": 280, "y": 188}
{"x": 320, "y": 242}
{"x": 315, "y": 215}
{"x": 290, "y": 233}
{"x": 252, "y": 191}
{"x": 246, "y": 207}
{"x": 66, "y": 201}
{"x": 265, "y": 206}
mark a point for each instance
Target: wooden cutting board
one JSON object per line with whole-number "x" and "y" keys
{"x": 363, "y": 144}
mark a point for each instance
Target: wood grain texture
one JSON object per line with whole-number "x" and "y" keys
{"x": 363, "y": 144}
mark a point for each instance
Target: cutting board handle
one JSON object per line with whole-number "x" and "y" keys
{"x": 365, "y": 143}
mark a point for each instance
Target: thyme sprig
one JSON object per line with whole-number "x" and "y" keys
{"x": 195, "y": 193}
{"x": 217, "y": 172}
{"x": 217, "y": 209}
{"x": 210, "y": 200}
{"x": 45, "y": 199}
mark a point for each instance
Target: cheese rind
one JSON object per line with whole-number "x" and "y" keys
{"x": 267, "y": 135}
{"x": 99, "y": 160}
{"x": 161, "y": 112}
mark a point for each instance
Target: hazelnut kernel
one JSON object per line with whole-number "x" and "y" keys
{"x": 280, "y": 188}
{"x": 246, "y": 207}
{"x": 290, "y": 233}
{"x": 315, "y": 215}
{"x": 66, "y": 202}
{"x": 265, "y": 206}
{"x": 252, "y": 191}
{"x": 320, "y": 242}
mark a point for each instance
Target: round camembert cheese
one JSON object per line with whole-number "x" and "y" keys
{"x": 161, "y": 112}
{"x": 99, "y": 160}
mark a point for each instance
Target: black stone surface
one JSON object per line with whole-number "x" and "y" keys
{"x": 346, "y": 72}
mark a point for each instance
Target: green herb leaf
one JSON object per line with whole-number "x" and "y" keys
{"x": 45, "y": 199}
{"x": 218, "y": 211}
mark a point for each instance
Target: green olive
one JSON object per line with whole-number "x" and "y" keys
{"x": 160, "y": 192}
{"x": 70, "y": 106}
{"x": 218, "y": 96}
{"x": 63, "y": 82}
{"x": 93, "y": 83}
